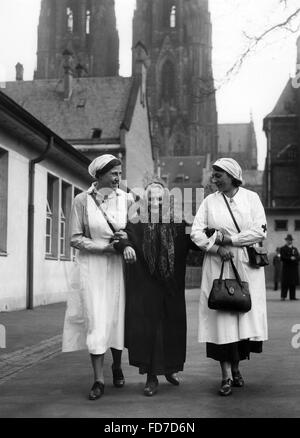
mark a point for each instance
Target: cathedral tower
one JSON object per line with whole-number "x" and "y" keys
{"x": 86, "y": 29}
{"x": 177, "y": 34}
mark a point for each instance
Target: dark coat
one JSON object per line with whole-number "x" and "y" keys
{"x": 150, "y": 302}
{"x": 289, "y": 274}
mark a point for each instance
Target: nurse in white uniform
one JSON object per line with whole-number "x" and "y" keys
{"x": 230, "y": 336}
{"x": 95, "y": 310}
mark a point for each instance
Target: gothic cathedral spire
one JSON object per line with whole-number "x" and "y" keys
{"x": 84, "y": 28}
{"x": 177, "y": 34}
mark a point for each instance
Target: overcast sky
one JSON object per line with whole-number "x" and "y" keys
{"x": 256, "y": 87}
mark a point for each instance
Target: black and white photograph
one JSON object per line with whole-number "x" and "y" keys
{"x": 149, "y": 211}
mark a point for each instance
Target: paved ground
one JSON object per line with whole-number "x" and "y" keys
{"x": 36, "y": 380}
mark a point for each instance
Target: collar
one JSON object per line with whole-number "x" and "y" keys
{"x": 236, "y": 197}
{"x": 93, "y": 190}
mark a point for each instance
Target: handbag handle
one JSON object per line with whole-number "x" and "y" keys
{"x": 237, "y": 275}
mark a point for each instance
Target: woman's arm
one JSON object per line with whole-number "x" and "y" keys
{"x": 198, "y": 233}
{"x": 79, "y": 240}
{"x": 258, "y": 231}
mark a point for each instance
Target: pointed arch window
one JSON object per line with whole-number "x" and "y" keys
{"x": 88, "y": 22}
{"x": 70, "y": 19}
{"x": 173, "y": 17}
{"x": 168, "y": 82}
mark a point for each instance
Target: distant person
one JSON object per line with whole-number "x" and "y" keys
{"x": 277, "y": 268}
{"x": 289, "y": 275}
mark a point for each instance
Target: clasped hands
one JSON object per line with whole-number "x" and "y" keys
{"x": 116, "y": 237}
{"x": 223, "y": 239}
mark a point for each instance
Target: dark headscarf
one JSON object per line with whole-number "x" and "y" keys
{"x": 159, "y": 240}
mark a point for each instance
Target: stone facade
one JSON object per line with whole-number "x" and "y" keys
{"x": 181, "y": 94}
{"x": 86, "y": 29}
{"x": 282, "y": 128}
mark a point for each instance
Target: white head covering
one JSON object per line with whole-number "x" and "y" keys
{"x": 99, "y": 163}
{"x": 230, "y": 166}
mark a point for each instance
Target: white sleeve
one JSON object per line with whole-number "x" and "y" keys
{"x": 78, "y": 239}
{"x": 198, "y": 235}
{"x": 258, "y": 231}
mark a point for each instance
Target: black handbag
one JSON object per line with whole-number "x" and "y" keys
{"x": 257, "y": 255}
{"x": 231, "y": 295}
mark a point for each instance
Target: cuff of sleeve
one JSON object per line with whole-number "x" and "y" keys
{"x": 211, "y": 241}
{"x": 234, "y": 239}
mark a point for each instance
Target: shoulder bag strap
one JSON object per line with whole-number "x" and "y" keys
{"x": 103, "y": 212}
{"x": 230, "y": 211}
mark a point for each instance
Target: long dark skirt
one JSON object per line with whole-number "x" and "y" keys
{"x": 233, "y": 352}
{"x": 157, "y": 366}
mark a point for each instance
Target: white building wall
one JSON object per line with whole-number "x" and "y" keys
{"x": 13, "y": 265}
{"x": 51, "y": 277}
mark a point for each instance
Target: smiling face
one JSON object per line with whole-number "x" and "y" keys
{"x": 222, "y": 180}
{"x": 111, "y": 179}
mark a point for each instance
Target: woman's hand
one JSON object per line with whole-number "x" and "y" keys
{"x": 225, "y": 254}
{"x": 129, "y": 255}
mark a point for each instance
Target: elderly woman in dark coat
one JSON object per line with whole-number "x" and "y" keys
{"x": 155, "y": 313}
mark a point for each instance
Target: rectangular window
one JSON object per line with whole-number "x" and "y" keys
{"x": 297, "y": 225}
{"x": 65, "y": 214}
{"x": 52, "y": 216}
{"x": 3, "y": 200}
{"x": 281, "y": 225}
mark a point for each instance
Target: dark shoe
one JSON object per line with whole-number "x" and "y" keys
{"x": 225, "y": 387}
{"x": 237, "y": 380}
{"x": 294, "y": 299}
{"x": 282, "y": 299}
{"x": 172, "y": 378}
{"x": 118, "y": 377}
{"x": 97, "y": 391}
{"x": 151, "y": 386}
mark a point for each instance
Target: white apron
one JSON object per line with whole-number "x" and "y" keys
{"x": 96, "y": 302}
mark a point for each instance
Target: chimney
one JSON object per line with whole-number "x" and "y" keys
{"x": 19, "y": 72}
{"x": 68, "y": 74}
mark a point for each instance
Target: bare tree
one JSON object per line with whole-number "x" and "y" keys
{"x": 290, "y": 23}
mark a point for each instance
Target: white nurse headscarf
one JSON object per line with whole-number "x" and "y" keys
{"x": 230, "y": 166}
{"x": 103, "y": 163}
